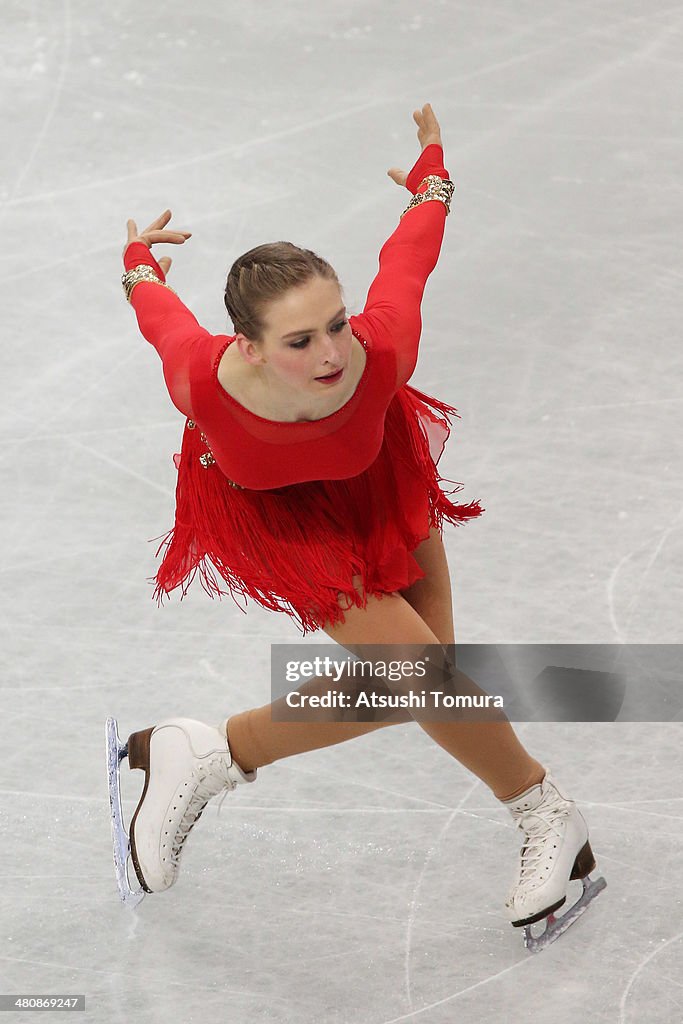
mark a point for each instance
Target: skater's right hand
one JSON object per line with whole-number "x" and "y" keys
{"x": 428, "y": 133}
{"x": 155, "y": 234}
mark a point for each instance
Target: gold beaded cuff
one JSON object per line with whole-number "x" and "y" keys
{"x": 437, "y": 188}
{"x": 138, "y": 274}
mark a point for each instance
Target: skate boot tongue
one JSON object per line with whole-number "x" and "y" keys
{"x": 531, "y": 799}
{"x": 540, "y": 809}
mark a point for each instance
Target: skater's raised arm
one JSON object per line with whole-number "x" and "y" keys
{"x": 410, "y": 254}
{"x": 163, "y": 319}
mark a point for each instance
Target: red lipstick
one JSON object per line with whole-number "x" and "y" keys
{"x": 331, "y": 379}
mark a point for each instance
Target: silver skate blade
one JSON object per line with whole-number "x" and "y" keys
{"x": 556, "y": 925}
{"x": 116, "y": 751}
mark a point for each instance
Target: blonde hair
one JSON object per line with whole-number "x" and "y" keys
{"x": 266, "y": 273}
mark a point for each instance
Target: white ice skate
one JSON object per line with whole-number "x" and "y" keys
{"x": 556, "y": 850}
{"x": 185, "y": 763}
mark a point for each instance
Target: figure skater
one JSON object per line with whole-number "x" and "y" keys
{"x": 307, "y": 481}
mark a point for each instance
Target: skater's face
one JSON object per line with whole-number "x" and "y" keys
{"x": 306, "y": 337}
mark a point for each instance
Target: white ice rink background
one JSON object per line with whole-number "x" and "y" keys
{"x": 362, "y": 884}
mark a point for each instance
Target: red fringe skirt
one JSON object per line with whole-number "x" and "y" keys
{"x": 296, "y": 549}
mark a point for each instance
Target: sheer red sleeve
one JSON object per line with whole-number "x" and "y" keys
{"x": 168, "y": 325}
{"x": 406, "y": 260}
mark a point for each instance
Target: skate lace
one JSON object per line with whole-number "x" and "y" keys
{"x": 210, "y": 777}
{"x": 540, "y": 826}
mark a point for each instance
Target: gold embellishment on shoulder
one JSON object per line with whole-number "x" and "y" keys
{"x": 207, "y": 458}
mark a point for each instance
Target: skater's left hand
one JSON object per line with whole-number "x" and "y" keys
{"x": 429, "y": 132}
{"x": 155, "y": 234}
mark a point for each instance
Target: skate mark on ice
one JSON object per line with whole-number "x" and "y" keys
{"x": 413, "y": 906}
{"x": 550, "y": 101}
{"x": 166, "y": 491}
{"x": 150, "y": 978}
{"x": 61, "y": 77}
{"x": 435, "y": 804}
{"x": 461, "y": 992}
{"x": 627, "y": 830}
{"x": 234, "y": 151}
{"x": 668, "y": 530}
{"x": 634, "y": 810}
{"x": 413, "y": 903}
{"x": 613, "y": 577}
{"x": 45, "y": 383}
{"x": 52, "y": 796}
{"x": 611, "y": 859}
{"x": 646, "y": 960}
{"x": 617, "y": 405}
{"x": 101, "y": 431}
{"x": 632, "y": 803}
{"x": 238, "y": 149}
{"x": 62, "y": 556}
{"x": 321, "y": 808}
{"x": 237, "y": 209}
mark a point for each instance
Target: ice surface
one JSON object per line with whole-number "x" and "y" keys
{"x": 362, "y": 883}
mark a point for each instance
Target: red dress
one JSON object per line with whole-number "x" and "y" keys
{"x": 287, "y": 513}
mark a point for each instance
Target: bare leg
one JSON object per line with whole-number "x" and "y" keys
{"x": 431, "y": 597}
{"x": 490, "y": 749}
{"x": 256, "y": 740}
